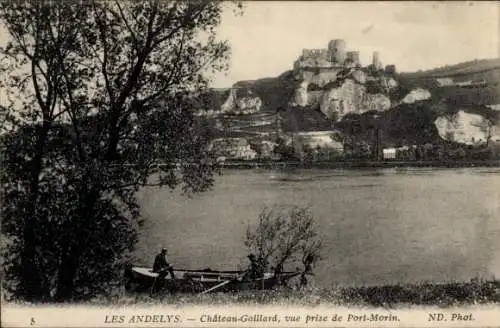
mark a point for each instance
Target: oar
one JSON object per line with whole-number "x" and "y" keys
{"x": 223, "y": 283}
{"x": 215, "y": 287}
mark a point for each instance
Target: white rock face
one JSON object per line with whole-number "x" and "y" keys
{"x": 300, "y": 97}
{"x": 242, "y": 105}
{"x": 351, "y": 97}
{"x": 323, "y": 78}
{"x": 248, "y": 104}
{"x": 319, "y": 78}
{"x": 494, "y": 106}
{"x": 314, "y": 97}
{"x": 378, "y": 102}
{"x": 389, "y": 83}
{"x": 416, "y": 95}
{"x": 466, "y": 128}
{"x": 359, "y": 76}
{"x": 234, "y": 148}
{"x": 322, "y": 139}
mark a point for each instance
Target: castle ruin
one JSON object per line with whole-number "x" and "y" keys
{"x": 353, "y": 57}
{"x": 334, "y": 56}
{"x": 376, "y": 62}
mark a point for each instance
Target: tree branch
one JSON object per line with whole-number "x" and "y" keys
{"x": 129, "y": 28}
{"x": 129, "y": 86}
{"x": 69, "y": 90}
{"x": 104, "y": 62}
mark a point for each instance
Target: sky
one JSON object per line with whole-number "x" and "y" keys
{"x": 269, "y": 36}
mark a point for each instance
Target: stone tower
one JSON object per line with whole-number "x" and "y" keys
{"x": 377, "y": 64}
{"x": 337, "y": 51}
{"x": 354, "y": 57}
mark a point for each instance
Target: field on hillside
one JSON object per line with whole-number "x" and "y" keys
{"x": 487, "y": 70}
{"x": 470, "y": 67}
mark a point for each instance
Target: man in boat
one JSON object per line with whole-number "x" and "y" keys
{"x": 162, "y": 267}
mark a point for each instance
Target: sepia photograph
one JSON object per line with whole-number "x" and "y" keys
{"x": 205, "y": 163}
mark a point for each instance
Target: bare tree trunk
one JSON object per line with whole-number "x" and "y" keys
{"x": 66, "y": 276}
{"x": 31, "y": 279}
{"x": 31, "y": 284}
{"x": 72, "y": 252}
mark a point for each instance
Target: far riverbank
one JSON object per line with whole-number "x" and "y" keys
{"x": 357, "y": 164}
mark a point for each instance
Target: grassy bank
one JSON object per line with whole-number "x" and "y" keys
{"x": 444, "y": 295}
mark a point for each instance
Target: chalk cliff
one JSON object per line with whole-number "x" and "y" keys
{"x": 246, "y": 104}
{"x": 467, "y": 128}
{"x": 351, "y": 97}
{"x": 417, "y": 94}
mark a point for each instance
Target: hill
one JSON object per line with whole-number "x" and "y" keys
{"x": 473, "y": 82}
{"x": 476, "y": 66}
{"x": 368, "y": 106}
{"x": 274, "y": 92}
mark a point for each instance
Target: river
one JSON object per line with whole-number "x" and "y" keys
{"x": 379, "y": 226}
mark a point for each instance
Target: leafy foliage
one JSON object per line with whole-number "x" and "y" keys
{"x": 284, "y": 237}
{"x": 99, "y": 105}
{"x": 405, "y": 124}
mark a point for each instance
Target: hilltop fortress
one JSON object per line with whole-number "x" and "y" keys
{"x": 334, "y": 56}
{"x": 330, "y": 79}
{"x": 334, "y": 80}
{"x": 305, "y": 104}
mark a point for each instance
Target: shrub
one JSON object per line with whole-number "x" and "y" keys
{"x": 284, "y": 237}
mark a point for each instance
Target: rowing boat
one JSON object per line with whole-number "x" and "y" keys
{"x": 142, "y": 278}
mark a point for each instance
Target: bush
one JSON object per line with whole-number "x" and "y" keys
{"x": 284, "y": 237}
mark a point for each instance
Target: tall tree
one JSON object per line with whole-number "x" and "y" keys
{"x": 103, "y": 108}
{"x": 33, "y": 89}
